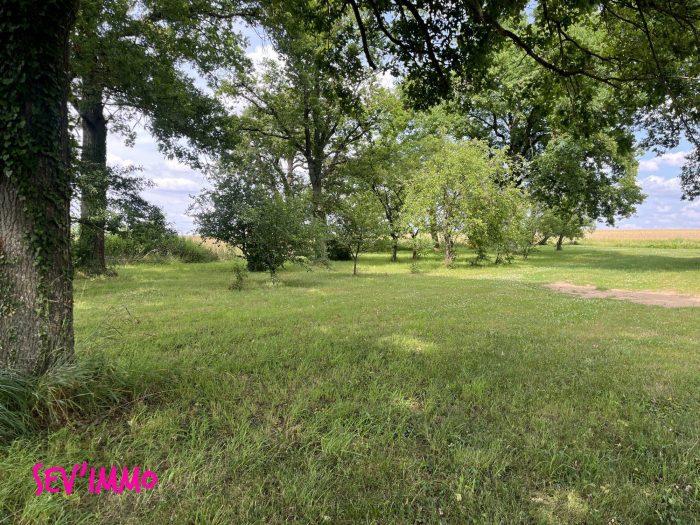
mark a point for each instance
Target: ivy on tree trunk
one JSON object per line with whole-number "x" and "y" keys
{"x": 36, "y": 295}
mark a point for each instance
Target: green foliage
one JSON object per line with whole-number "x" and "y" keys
{"x": 338, "y": 249}
{"x": 309, "y": 107}
{"x": 385, "y": 164}
{"x": 148, "y": 78}
{"x": 129, "y": 249}
{"x": 359, "y": 222}
{"x": 644, "y": 55}
{"x": 187, "y": 250}
{"x": 591, "y": 177}
{"x": 565, "y": 224}
{"x": 268, "y": 227}
{"x": 240, "y": 275}
{"x": 459, "y": 184}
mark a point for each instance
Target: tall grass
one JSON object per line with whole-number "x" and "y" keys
{"x": 69, "y": 392}
{"x": 186, "y": 249}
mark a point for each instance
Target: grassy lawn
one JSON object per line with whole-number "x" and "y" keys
{"x": 470, "y": 395}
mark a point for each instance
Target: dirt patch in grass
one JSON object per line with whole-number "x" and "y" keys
{"x": 665, "y": 299}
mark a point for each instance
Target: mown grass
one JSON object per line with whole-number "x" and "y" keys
{"x": 470, "y": 395}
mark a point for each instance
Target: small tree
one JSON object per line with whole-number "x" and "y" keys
{"x": 564, "y": 223}
{"x": 359, "y": 223}
{"x": 529, "y": 230}
{"x": 268, "y": 227}
{"x": 506, "y": 218}
{"x": 458, "y": 188}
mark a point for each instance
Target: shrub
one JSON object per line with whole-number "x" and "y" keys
{"x": 268, "y": 227}
{"x": 240, "y": 274}
{"x": 338, "y": 251}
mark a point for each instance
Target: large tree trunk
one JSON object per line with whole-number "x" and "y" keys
{"x": 316, "y": 177}
{"x": 560, "y": 241}
{"x": 394, "y": 247}
{"x": 94, "y": 180}
{"x": 36, "y": 295}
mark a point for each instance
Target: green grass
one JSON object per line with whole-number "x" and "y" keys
{"x": 470, "y": 395}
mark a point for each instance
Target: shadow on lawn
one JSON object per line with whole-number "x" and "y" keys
{"x": 604, "y": 259}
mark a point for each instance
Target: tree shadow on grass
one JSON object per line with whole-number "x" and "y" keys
{"x": 602, "y": 259}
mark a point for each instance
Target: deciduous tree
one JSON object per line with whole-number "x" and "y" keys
{"x": 36, "y": 294}
{"x": 130, "y": 59}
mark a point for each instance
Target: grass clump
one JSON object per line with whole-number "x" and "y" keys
{"x": 69, "y": 392}
{"x": 188, "y": 250}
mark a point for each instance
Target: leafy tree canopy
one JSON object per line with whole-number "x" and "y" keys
{"x": 645, "y": 53}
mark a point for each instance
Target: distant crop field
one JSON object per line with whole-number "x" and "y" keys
{"x": 223, "y": 250}
{"x": 644, "y": 235}
{"x": 688, "y": 238}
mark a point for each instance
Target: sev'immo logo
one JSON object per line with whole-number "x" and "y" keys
{"x": 109, "y": 480}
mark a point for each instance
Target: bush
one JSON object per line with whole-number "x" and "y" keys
{"x": 268, "y": 227}
{"x": 240, "y": 274}
{"x": 337, "y": 250}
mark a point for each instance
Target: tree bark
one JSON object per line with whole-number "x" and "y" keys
{"x": 316, "y": 178}
{"x": 449, "y": 248}
{"x": 36, "y": 294}
{"x": 560, "y": 241}
{"x": 434, "y": 232}
{"x": 94, "y": 180}
{"x": 394, "y": 247}
{"x": 355, "y": 255}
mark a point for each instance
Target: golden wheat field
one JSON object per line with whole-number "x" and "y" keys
{"x": 643, "y": 235}
{"x": 223, "y": 250}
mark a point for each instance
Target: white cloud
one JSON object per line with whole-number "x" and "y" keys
{"x": 176, "y": 183}
{"x": 674, "y": 159}
{"x": 174, "y": 165}
{"x": 648, "y": 165}
{"x": 654, "y": 184}
{"x": 262, "y": 53}
{"x": 116, "y": 160}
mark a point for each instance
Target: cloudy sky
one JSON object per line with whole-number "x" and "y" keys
{"x": 175, "y": 183}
